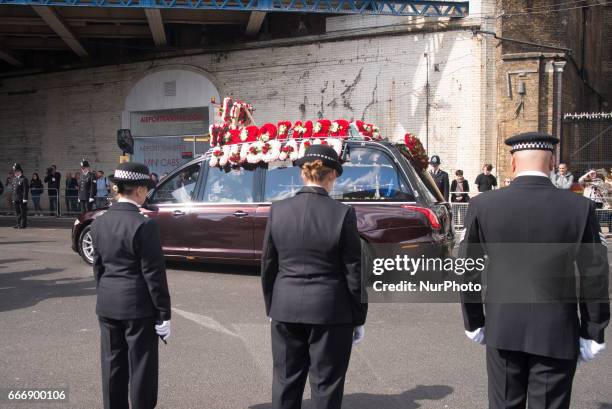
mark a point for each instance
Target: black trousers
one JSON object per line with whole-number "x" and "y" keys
{"x": 53, "y": 205}
{"x": 129, "y": 355}
{"x": 85, "y": 206}
{"x": 518, "y": 378}
{"x": 21, "y": 211}
{"x": 323, "y": 351}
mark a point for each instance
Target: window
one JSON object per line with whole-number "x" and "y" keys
{"x": 178, "y": 188}
{"x": 282, "y": 183}
{"x": 370, "y": 175}
{"x": 235, "y": 186}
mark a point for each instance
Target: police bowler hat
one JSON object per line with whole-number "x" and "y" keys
{"x": 325, "y": 154}
{"x": 132, "y": 173}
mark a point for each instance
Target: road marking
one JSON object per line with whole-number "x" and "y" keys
{"x": 205, "y": 321}
{"x": 256, "y": 339}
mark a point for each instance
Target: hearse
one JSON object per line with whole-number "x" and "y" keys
{"x": 218, "y": 215}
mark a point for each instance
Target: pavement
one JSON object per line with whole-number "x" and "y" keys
{"x": 413, "y": 355}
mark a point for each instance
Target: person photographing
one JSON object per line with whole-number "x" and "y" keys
{"x": 133, "y": 301}
{"x": 311, "y": 279}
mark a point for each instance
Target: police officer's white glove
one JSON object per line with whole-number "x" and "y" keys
{"x": 358, "y": 334}
{"x": 163, "y": 330}
{"x": 91, "y": 200}
{"x": 478, "y": 335}
{"x": 589, "y": 348}
{"x": 25, "y": 201}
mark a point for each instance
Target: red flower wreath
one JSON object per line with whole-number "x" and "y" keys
{"x": 414, "y": 148}
{"x": 283, "y": 129}
{"x": 302, "y": 130}
{"x": 321, "y": 128}
{"x": 339, "y": 128}
{"x": 267, "y": 132}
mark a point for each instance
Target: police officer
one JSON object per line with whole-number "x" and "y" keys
{"x": 20, "y": 188}
{"x": 133, "y": 302}
{"x": 87, "y": 187}
{"x": 439, "y": 176}
{"x": 530, "y": 322}
{"x": 311, "y": 277}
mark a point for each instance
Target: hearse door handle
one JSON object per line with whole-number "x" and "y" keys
{"x": 178, "y": 213}
{"x": 240, "y": 213}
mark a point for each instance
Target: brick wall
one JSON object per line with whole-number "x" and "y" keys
{"x": 61, "y": 117}
{"x": 586, "y": 75}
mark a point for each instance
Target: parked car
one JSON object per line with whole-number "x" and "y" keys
{"x": 212, "y": 215}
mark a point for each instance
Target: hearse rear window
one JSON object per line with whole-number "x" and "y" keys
{"x": 369, "y": 176}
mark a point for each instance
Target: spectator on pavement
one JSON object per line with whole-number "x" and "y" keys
{"x": 460, "y": 185}
{"x": 72, "y": 191}
{"x": 36, "y": 189}
{"x": 595, "y": 187}
{"x": 486, "y": 181}
{"x": 507, "y": 182}
{"x": 8, "y": 197}
{"x": 563, "y": 179}
{"x": 52, "y": 180}
{"x": 102, "y": 189}
{"x": 154, "y": 178}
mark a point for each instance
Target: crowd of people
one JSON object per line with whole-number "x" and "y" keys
{"x": 595, "y": 184}
{"x": 93, "y": 187}
{"x": 81, "y": 190}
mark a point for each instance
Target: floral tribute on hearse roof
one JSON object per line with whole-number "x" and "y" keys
{"x": 236, "y": 141}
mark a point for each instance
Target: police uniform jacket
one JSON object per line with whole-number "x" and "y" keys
{"x": 441, "y": 179}
{"x": 532, "y": 210}
{"x": 311, "y": 261}
{"x": 87, "y": 186}
{"x": 20, "y": 188}
{"x": 129, "y": 265}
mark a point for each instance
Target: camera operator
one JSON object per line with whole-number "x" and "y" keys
{"x": 52, "y": 179}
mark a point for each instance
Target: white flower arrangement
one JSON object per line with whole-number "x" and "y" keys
{"x": 244, "y": 134}
{"x": 335, "y": 143}
{"x": 244, "y": 151}
{"x": 289, "y": 151}
{"x": 303, "y": 146}
{"x": 254, "y": 152}
{"x": 215, "y": 155}
{"x": 234, "y": 156}
{"x": 274, "y": 147}
{"x": 225, "y": 157}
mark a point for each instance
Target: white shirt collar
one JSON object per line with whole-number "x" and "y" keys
{"x": 124, "y": 200}
{"x": 532, "y": 173}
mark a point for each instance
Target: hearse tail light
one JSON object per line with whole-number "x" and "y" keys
{"x": 431, "y": 216}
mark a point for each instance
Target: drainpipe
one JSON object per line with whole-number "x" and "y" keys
{"x": 427, "y": 104}
{"x": 558, "y": 94}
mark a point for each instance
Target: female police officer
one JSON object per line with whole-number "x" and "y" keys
{"x": 132, "y": 292}
{"x": 311, "y": 277}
